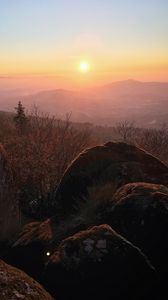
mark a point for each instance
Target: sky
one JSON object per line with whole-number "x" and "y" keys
{"x": 48, "y": 39}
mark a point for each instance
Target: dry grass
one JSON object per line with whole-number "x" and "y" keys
{"x": 88, "y": 207}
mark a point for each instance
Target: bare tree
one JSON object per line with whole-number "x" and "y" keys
{"x": 154, "y": 141}
{"x": 40, "y": 156}
{"x": 9, "y": 208}
{"x": 7, "y": 127}
{"x": 125, "y": 130}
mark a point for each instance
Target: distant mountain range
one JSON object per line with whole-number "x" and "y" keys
{"x": 143, "y": 102}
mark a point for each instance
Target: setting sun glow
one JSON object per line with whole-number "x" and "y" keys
{"x": 99, "y": 42}
{"x": 84, "y": 67}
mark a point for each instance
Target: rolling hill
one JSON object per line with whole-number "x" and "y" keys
{"x": 143, "y": 102}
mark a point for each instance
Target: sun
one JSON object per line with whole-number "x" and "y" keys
{"x": 84, "y": 67}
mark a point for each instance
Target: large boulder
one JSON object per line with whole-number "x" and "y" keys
{"x": 140, "y": 214}
{"x": 16, "y": 285}
{"x": 114, "y": 163}
{"x": 9, "y": 210}
{"x": 99, "y": 264}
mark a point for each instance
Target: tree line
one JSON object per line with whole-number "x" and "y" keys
{"x": 39, "y": 148}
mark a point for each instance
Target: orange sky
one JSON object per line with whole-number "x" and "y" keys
{"x": 43, "y": 42}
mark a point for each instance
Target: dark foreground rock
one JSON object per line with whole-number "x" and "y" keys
{"x": 16, "y": 285}
{"x": 140, "y": 214}
{"x": 138, "y": 211}
{"x": 117, "y": 163}
{"x": 100, "y": 264}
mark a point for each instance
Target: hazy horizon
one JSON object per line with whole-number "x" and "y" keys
{"x": 43, "y": 43}
{"x": 46, "y": 83}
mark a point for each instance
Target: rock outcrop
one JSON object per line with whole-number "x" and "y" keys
{"x": 99, "y": 264}
{"x": 16, "y": 285}
{"x": 117, "y": 163}
{"x": 138, "y": 211}
{"x": 140, "y": 214}
{"x": 37, "y": 241}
